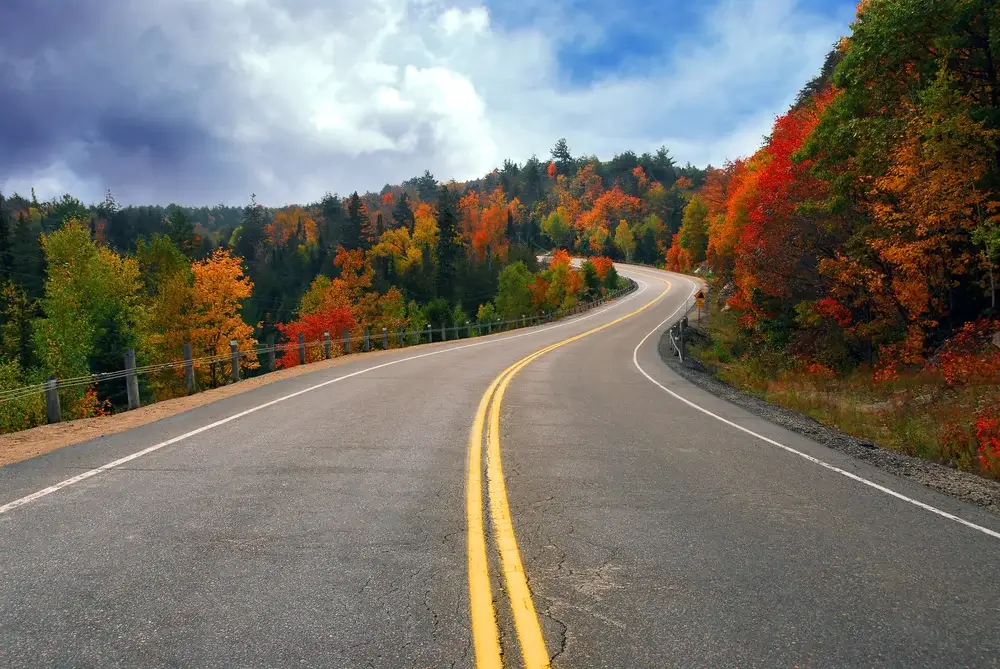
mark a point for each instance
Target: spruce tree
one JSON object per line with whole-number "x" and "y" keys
{"x": 6, "y": 261}
{"x": 402, "y": 215}
{"x": 354, "y": 228}
{"x": 449, "y": 245}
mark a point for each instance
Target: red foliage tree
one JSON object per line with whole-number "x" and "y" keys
{"x": 312, "y": 326}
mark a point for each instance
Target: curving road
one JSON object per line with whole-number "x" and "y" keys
{"x": 334, "y": 520}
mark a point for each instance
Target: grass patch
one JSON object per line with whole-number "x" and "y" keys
{"x": 917, "y": 414}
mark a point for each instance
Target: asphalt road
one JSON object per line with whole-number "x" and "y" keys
{"x": 329, "y": 529}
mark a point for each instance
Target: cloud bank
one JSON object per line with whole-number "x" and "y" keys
{"x": 206, "y": 101}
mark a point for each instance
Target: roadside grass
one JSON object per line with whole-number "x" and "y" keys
{"x": 918, "y": 413}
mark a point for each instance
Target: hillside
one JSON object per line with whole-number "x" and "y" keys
{"x": 82, "y": 284}
{"x": 855, "y": 254}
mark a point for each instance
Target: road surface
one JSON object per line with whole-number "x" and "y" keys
{"x": 356, "y": 517}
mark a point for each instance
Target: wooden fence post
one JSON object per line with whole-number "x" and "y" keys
{"x": 368, "y": 339}
{"x": 188, "y": 368}
{"x": 270, "y": 353}
{"x": 385, "y": 339}
{"x": 347, "y": 341}
{"x": 234, "y": 352}
{"x": 131, "y": 382}
{"x": 302, "y": 348}
{"x": 52, "y": 411}
{"x": 326, "y": 345}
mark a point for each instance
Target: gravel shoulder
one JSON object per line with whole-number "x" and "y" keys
{"x": 964, "y": 486}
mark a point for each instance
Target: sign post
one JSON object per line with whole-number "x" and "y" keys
{"x": 699, "y": 300}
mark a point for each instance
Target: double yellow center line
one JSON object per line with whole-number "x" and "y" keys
{"x": 485, "y": 634}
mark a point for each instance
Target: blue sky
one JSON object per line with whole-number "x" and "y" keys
{"x": 210, "y": 100}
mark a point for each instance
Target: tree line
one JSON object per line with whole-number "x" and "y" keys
{"x": 865, "y": 233}
{"x": 81, "y": 284}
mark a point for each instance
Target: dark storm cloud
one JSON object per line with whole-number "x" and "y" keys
{"x": 100, "y": 87}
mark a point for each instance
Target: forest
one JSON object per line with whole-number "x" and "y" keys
{"x": 854, "y": 256}
{"x": 82, "y": 284}
{"x": 852, "y": 259}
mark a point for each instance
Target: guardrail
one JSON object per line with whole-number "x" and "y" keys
{"x": 382, "y": 339}
{"x": 675, "y": 333}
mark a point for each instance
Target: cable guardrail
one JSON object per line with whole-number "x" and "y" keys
{"x": 383, "y": 338}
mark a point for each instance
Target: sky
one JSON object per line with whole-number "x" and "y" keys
{"x": 207, "y": 101}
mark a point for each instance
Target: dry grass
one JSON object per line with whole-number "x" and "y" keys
{"x": 916, "y": 414}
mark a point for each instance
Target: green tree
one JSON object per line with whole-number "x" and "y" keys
{"x": 625, "y": 240}
{"x": 611, "y": 279}
{"x": 459, "y": 318}
{"x": 6, "y": 242}
{"x": 63, "y": 209}
{"x": 591, "y": 279}
{"x": 28, "y": 260}
{"x": 562, "y": 157}
{"x": 486, "y": 313}
{"x": 693, "y": 235}
{"x": 556, "y": 226}
{"x": 438, "y": 312}
{"x": 402, "y": 214}
{"x": 449, "y": 244}
{"x": 91, "y": 306}
{"x": 355, "y": 224}
{"x": 16, "y": 315}
{"x": 180, "y": 230}
{"x": 514, "y": 294}
{"x": 249, "y": 237}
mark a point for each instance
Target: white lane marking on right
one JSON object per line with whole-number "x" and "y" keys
{"x": 163, "y": 444}
{"x": 789, "y": 449}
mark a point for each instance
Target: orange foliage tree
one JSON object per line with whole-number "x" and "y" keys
{"x": 220, "y": 287}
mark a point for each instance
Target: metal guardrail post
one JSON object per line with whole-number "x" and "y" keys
{"x": 131, "y": 382}
{"x": 385, "y": 339}
{"x": 302, "y": 349}
{"x": 53, "y": 413}
{"x": 347, "y": 341}
{"x": 326, "y": 345}
{"x": 368, "y": 339}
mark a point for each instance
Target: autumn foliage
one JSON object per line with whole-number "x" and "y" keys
{"x": 864, "y": 235}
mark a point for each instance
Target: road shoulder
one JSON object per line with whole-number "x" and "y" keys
{"x": 960, "y": 485}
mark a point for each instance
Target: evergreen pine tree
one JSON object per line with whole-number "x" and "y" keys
{"x": 449, "y": 244}
{"x": 5, "y": 242}
{"x": 354, "y": 228}
{"x": 402, "y": 215}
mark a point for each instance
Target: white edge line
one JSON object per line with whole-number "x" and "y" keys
{"x": 821, "y": 463}
{"x": 163, "y": 444}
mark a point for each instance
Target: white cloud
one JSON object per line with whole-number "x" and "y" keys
{"x": 299, "y": 98}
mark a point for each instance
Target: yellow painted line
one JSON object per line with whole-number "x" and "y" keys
{"x": 526, "y": 623}
{"x": 485, "y": 638}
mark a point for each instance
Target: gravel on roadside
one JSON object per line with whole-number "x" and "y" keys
{"x": 965, "y": 486}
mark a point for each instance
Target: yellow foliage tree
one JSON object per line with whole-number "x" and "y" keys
{"x": 219, "y": 290}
